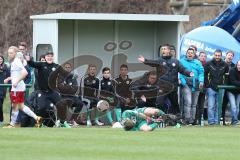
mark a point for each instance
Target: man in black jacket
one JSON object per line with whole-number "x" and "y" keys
{"x": 215, "y": 71}
{"x": 122, "y": 85}
{"x": 234, "y": 95}
{"x": 71, "y": 100}
{"x": 91, "y": 85}
{"x": 107, "y": 90}
{"x": 228, "y": 60}
{"x": 148, "y": 88}
{"x": 46, "y": 94}
{"x": 168, "y": 68}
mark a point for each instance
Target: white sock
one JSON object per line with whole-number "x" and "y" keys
{"x": 29, "y": 112}
{"x": 14, "y": 117}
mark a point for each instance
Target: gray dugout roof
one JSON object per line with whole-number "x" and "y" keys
{"x": 112, "y": 16}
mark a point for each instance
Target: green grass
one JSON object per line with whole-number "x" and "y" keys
{"x": 189, "y": 143}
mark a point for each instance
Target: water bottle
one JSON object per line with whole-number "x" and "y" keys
{"x": 202, "y": 121}
{"x": 221, "y": 121}
{"x": 161, "y": 125}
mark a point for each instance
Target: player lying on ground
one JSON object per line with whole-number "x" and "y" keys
{"x": 144, "y": 119}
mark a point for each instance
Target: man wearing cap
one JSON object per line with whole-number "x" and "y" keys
{"x": 46, "y": 93}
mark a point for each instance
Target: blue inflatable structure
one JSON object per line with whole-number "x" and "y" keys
{"x": 221, "y": 33}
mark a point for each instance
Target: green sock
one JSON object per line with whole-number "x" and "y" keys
{"x": 160, "y": 113}
{"x": 109, "y": 116}
{"x": 153, "y": 126}
{"x": 118, "y": 112}
{"x": 88, "y": 115}
{"x": 96, "y": 114}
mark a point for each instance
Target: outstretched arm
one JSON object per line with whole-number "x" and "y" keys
{"x": 33, "y": 64}
{"x": 152, "y": 63}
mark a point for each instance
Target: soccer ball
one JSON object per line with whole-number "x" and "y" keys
{"x": 102, "y": 106}
{"x": 117, "y": 125}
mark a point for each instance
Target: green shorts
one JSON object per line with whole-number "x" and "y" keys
{"x": 139, "y": 125}
{"x": 141, "y": 110}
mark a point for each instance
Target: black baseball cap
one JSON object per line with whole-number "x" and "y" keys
{"x": 49, "y": 53}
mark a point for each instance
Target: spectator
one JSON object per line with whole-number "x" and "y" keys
{"x": 181, "y": 98}
{"x": 173, "y": 51}
{"x": 201, "y": 98}
{"x": 215, "y": 71}
{"x": 194, "y": 49}
{"x": 234, "y": 95}
{"x": 3, "y": 75}
{"x": 228, "y": 60}
{"x": 22, "y": 47}
{"x": 191, "y": 85}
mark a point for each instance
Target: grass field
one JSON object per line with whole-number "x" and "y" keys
{"x": 188, "y": 143}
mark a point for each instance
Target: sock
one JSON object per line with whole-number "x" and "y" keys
{"x": 118, "y": 112}
{"x": 96, "y": 115}
{"x": 29, "y": 112}
{"x": 109, "y": 116}
{"x": 14, "y": 117}
{"x": 160, "y": 113}
{"x": 153, "y": 126}
{"x": 96, "y": 118}
{"x": 88, "y": 115}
